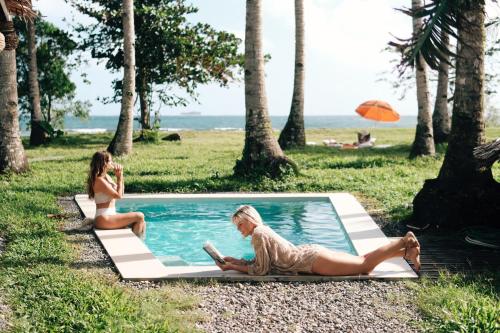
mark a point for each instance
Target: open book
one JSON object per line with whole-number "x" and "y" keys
{"x": 213, "y": 252}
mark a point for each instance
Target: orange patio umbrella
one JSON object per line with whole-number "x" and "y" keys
{"x": 377, "y": 110}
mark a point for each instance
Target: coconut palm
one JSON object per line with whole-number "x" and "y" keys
{"x": 12, "y": 156}
{"x": 465, "y": 191}
{"x": 122, "y": 141}
{"x": 261, "y": 153}
{"x": 441, "y": 123}
{"x": 38, "y": 135}
{"x": 293, "y": 134}
{"x": 424, "y": 141}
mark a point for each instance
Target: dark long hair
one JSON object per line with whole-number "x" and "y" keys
{"x": 97, "y": 168}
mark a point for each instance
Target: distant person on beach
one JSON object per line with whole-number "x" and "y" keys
{"x": 105, "y": 191}
{"x": 274, "y": 254}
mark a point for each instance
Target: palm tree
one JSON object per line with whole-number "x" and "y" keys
{"x": 424, "y": 141}
{"x": 261, "y": 153}
{"x": 465, "y": 191}
{"x": 293, "y": 134}
{"x": 441, "y": 123}
{"x": 12, "y": 156}
{"x": 38, "y": 135}
{"x": 122, "y": 141}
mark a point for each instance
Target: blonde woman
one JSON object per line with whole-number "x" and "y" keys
{"x": 277, "y": 255}
{"x": 104, "y": 191}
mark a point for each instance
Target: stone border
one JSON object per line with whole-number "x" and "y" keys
{"x": 135, "y": 261}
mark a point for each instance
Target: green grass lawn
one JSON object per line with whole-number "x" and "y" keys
{"x": 46, "y": 294}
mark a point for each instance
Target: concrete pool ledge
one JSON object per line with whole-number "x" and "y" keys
{"x": 134, "y": 261}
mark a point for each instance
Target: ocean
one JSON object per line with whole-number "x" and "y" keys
{"x": 99, "y": 124}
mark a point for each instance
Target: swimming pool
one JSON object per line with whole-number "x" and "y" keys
{"x": 135, "y": 261}
{"x": 178, "y": 228}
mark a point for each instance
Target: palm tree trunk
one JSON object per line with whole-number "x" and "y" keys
{"x": 143, "y": 99}
{"x": 424, "y": 141}
{"x": 12, "y": 156}
{"x": 465, "y": 191}
{"x": 261, "y": 154}
{"x": 38, "y": 135}
{"x": 122, "y": 141}
{"x": 440, "y": 118}
{"x": 293, "y": 134}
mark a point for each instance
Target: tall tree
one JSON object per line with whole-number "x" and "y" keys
{"x": 261, "y": 153}
{"x": 423, "y": 144}
{"x": 465, "y": 191}
{"x": 170, "y": 50}
{"x": 293, "y": 134}
{"x": 12, "y": 156}
{"x": 37, "y": 136}
{"x": 56, "y": 56}
{"x": 122, "y": 141}
{"x": 441, "y": 123}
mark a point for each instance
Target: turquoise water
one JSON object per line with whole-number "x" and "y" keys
{"x": 177, "y": 229}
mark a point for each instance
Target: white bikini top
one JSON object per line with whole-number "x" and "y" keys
{"x": 101, "y": 197}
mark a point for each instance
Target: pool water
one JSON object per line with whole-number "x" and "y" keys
{"x": 178, "y": 228}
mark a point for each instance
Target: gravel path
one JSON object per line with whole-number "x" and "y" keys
{"x": 345, "y": 306}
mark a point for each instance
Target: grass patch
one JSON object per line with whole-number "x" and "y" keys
{"x": 458, "y": 304}
{"x": 46, "y": 294}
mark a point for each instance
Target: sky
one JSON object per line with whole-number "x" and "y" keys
{"x": 344, "y": 58}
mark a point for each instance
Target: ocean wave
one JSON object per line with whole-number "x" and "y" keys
{"x": 168, "y": 129}
{"x": 227, "y": 129}
{"x": 87, "y": 130}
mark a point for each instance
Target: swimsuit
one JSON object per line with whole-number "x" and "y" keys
{"x": 105, "y": 211}
{"x": 101, "y": 197}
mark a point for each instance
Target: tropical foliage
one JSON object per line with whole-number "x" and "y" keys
{"x": 171, "y": 52}
{"x": 56, "y": 59}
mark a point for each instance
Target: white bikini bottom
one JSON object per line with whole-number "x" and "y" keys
{"x": 105, "y": 211}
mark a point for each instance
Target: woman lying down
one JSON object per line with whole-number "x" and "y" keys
{"x": 274, "y": 254}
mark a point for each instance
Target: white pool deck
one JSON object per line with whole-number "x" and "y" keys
{"x": 134, "y": 260}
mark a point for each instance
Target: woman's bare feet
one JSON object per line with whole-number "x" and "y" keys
{"x": 413, "y": 254}
{"x": 410, "y": 240}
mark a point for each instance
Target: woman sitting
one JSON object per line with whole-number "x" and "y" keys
{"x": 105, "y": 191}
{"x": 277, "y": 255}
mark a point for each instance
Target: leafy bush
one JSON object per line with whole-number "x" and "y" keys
{"x": 151, "y": 136}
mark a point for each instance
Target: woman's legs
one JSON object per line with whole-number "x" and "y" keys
{"x": 118, "y": 221}
{"x": 335, "y": 263}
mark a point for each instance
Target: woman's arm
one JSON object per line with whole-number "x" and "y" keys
{"x": 234, "y": 267}
{"x": 238, "y": 261}
{"x": 120, "y": 179}
{"x": 102, "y": 185}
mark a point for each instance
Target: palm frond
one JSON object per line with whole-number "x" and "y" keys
{"x": 21, "y": 8}
{"x": 440, "y": 21}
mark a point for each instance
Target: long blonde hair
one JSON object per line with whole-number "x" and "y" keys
{"x": 97, "y": 168}
{"x": 246, "y": 212}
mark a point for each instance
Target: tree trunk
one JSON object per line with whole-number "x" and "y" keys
{"x": 440, "y": 117}
{"x": 293, "y": 134}
{"x": 49, "y": 108}
{"x": 38, "y": 135}
{"x": 465, "y": 191}
{"x": 12, "y": 156}
{"x": 261, "y": 154}
{"x": 143, "y": 99}
{"x": 424, "y": 141}
{"x": 122, "y": 141}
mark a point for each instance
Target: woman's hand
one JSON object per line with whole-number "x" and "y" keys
{"x": 224, "y": 267}
{"x": 118, "y": 169}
